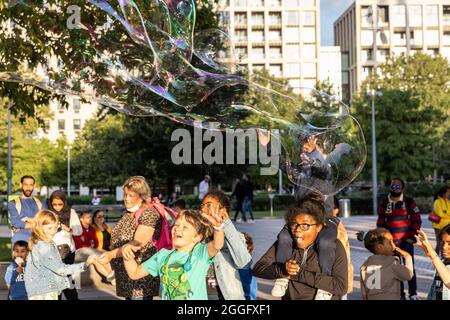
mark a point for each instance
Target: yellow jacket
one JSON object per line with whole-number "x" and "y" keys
{"x": 442, "y": 209}
{"x": 99, "y": 234}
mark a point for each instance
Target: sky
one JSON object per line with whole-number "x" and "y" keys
{"x": 330, "y": 10}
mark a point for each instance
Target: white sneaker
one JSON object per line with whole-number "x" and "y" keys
{"x": 280, "y": 287}
{"x": 239, "y": 220}
{"x": 323, "y": 295}
{"x": 251, "y": 221}
{"x": 414, "y": 297}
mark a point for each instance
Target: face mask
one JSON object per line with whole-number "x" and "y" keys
{"x": 135, "y": 208}
{"x": 395, "y": 194}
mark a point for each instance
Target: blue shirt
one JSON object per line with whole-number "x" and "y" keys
{"x": 16, "y": 283}
{"x": 29, "y": 209}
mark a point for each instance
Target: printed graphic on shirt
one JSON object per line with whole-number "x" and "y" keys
{"x": 175, "y": 282}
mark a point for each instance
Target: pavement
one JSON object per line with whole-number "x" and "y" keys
{"x": 264, "y": 232}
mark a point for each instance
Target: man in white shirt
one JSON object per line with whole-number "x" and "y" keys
{"x": 203, "y": 188}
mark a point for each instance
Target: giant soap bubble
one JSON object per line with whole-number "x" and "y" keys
{"x": 145, "y": 58}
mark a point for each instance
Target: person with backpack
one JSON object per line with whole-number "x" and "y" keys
{"x": 23, "y": 209}
{"x": 400, "y": 215}
{"x": 141, "y": 225}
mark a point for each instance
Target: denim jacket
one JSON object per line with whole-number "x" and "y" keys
{"x": 233, "y": 256}
{"x": 45, "y": 271}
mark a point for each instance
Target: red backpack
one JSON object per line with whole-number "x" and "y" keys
{"x": 165, "y": 237}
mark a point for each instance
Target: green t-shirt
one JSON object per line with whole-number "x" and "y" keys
{"x": 178, "y": 283}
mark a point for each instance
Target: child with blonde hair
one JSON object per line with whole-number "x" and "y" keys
{"x": 182, "y": 270}
{"x": 46, "y": 274}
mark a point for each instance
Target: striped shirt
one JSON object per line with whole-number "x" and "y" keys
{"x": 401, "y": 218}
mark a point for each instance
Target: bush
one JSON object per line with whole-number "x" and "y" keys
{"x": 79, "y": 200}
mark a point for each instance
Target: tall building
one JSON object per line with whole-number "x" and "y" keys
{"x": 68, "y": 121}
{"x": 282, "y": 36}
{"x": 370, "y": 30}
{"x": 330, "y": 67}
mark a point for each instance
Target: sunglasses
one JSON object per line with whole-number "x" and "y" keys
{"x": 396, "y": 187}
{"x": 302, "y": 226}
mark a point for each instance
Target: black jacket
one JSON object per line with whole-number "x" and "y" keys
{"x": 304, "y": 285}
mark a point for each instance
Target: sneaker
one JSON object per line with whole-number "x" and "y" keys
{"x": 414, "y": 297}
{"x": 323, "y": 295}
{"x": 239, "y": 220}
{"x": 280, "y": 287}
{"x": 251, "y": 221}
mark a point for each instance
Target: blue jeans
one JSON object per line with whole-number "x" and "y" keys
{"x": 247, "y": 206}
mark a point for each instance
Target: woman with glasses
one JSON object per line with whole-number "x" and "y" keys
{"x": 302, "y": 269}
{"x": 102, "y": 230}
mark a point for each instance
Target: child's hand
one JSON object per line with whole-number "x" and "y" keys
{"x": 214, "y": 218}
{"x": 401, "y": 252}
{"x": 91, "y": 260}
{"x": 292, "y": 267}
{"x": 128, "y": 251}
{"x": 19, "y": 261}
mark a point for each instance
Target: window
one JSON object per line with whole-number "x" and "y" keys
{"x": 366, "y": 38}
{"x": 240, "y": 18}
{"x": 309, "y": 35}
{"x": 309, "y": 70}
{"x": 415, "y": 16}
{"x": 257, "y": 3}
{"x": 292, "y": 70}
{"x": 431, "y": 16}
{"x": 446, "y": 38}
{"x": 295, "y": 84}
{"x": 274, "y": 35}
{"x": 275, "y": 70}
{"x": 76, "y": 124}
{"x": 432, "y": 37}
{"x": 398, "y": 50}
{"x": 446, "y": 15}
{"x": 258, "y": 67}
{"x": 309, "y": 84}
{"x": 382, "y": 37}
{"x": 224, "y": 3}
{"x": 345, "y": 77}
{"x": 241, "y": 52}
{"x": 257, "y": 36}
{"x": 433, "y": 52}
{"x": 240, "y": 3}
{"x": 258, "y": 52}
{"x": 292, "y": 51}
{"x": 223, "y": 18}
{"x": 258, "y": 18}
{"x": 399, "y": 38}
{"x": 308, "y": 18}
{"x": 399, "y": 16}
{"x": 291, "y": 3}
{"x": 292, "y": 34}
{"x": 60, "y": 107}
{"x": 308, "y": 52}
{"x": 274, "y": 3}
{"x": 416, "y": 37}
{"x": 61, "y": 124}
{"x": 345, "y": 60}
{"x": 275, "y": 52}
{"x": 382, "y": 54}
{"x": 366, "y": 71}
{"x": 292, "y": 18}
{"x": 446, "y": 53}
{"x": 366, "y": 16}
{"x": 275, "y": 17}
{"x": 76, "y": 105}
{"x": 241, "y": 35}
{"x": 308, "y": 3}
{"x": 366, "y": 55}
{"x": 383, "y": 16}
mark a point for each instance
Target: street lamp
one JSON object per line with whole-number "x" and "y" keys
{"x": 68, "y": 147}
{"x": 374, "y": 93}
{"x": 9, "y": 166}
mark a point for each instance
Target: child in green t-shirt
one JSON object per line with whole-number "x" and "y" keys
{"x": 183, "y": 269}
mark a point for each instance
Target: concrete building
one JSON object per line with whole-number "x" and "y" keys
{"x": 371, "y": 30}
{"x": 68, "y": 122}
{"x": 330, "y": 67}
{"x": 282, "y": 36}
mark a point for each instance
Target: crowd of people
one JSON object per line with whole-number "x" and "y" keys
{"x": 167, "y": 250}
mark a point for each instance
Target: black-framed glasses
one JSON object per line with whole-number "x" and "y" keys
{"x": 302, "y": 226}
{"x": 396, "y": 187}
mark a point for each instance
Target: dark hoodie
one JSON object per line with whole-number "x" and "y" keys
{"x": 304, "y": 285}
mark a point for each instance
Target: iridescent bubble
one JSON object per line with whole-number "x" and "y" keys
{"x": 138, "y": 58}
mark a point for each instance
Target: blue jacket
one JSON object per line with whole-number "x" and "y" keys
{"x": 29, "y": 209}
{"x": 16, "y": 283}
{"x": 46, "y": 272}
{"x": 233, "y": 256}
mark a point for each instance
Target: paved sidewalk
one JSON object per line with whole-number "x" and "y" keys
{"x": 264, "y": 233}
